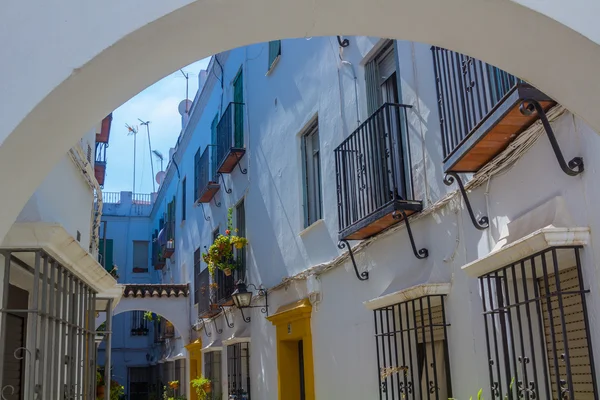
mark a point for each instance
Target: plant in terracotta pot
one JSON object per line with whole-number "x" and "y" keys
{"x": 202, "y": 386}
{"x": 100, "y": 386}
{"x": 220, "y": 253}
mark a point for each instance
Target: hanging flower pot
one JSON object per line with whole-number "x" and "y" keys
{"x": 100, "y": 391}
{"x": 227, "y": 271}
{"x": 207, "y": 387}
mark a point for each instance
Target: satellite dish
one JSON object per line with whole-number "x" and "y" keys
{"x": 183, "y": 106}
{"x": 160, "y": 177}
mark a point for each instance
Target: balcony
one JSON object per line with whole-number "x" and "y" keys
{"x": 230, "y": 138}
{"x": 104, "y": 134}
{"x": 208, "y": 183}
{"x": 158, "y": 260}
{"x": 100, "y": 163}
{"x": 166, "y": 237}
{"x": 370, "y": 176}
{"x": 480, "y": 109}
{"x": 218, "y": 293}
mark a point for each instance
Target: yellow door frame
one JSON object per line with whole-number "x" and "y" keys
{"x": 292, "y": 323}
{"x": 195, "y": 353}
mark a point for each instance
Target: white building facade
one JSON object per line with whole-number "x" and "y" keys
{"x": 53, "y": 285}
{"x": 318, "y": 146}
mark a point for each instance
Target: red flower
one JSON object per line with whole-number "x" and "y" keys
{"x": 228, "y": 232}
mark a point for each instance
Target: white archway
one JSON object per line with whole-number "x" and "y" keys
{"x": 169, "y": 308}
{"x": 67, "y": 65}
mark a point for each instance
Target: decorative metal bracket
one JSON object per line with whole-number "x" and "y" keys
{"x": 228, "y": 191}
{"x": 421, "y": 253}
{"x": 480, "y": 224}
{"x": 575, "y": 166}
{"x": 242, "y": 170}
{"x": 204, "y": 213}
{"x": 219, "y": 331}
{"x": 246, "y": 319}
{"x": 344, "y": 42}
{"x": 218, "y": 204}
{"x": 362, "y": 276}
{"x": 230, "y": 325}
{"x": 206, "y": 332}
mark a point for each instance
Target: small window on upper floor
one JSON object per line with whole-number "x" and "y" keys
{"x": 140, "y": 256}
{"x": 274, "y": 54}
{"x": 311, "y": 168}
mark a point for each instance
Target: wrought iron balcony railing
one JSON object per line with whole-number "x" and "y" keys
{"x": 480, "y": 109}
{"x": 208, "y": 180}
{"x": 203, "y": 291}
{"x": 370, "y": 173}
{"x": 230, "y": 138}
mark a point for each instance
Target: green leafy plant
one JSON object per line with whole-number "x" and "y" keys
{"x": 150, "y": 316}
{"x": 220, "y": 253}
{"x": 202, "y": 386}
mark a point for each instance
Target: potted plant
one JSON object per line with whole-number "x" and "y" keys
{"x": 220, "y": 253}
{"x": 202, "y": 386}
{"x": 116, "y": 390}
{"x": 100, "y": 386}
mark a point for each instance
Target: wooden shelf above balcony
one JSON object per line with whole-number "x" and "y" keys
{"x": 495, "y": 132}
{"x": 380, "y": 220}
{"x": 207, "y": 194}
{"x": 231, "y": 160}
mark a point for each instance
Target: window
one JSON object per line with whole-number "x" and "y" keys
{"x": 412, "y": 350}
{"x": 311, "y": 166}
{"x": 139, "y": 325}
{"x": 183, "y": 198}
{"x": 212, "y": 370}
{"x": 238, "y": 370}
{"x": 197, "y": 174}
{"x": 105, "y": 253}
{"x": 140, "y": 256}
{"x": 380, "y": 76}
{"x": 240, "y": 220}
{"x": 274, "y": 53}
{"x": 197, "y": 258}
{"x": 537, "y": 330}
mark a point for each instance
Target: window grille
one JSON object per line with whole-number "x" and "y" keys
{"x": 212, "y": 370}
{"x": 139, "y": 325}
{"x": 537, "y": 331}
{"x": 412, "y": 350}
{"x": 238, "y": 370}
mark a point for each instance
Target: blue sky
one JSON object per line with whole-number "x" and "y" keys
{"x": 158, "y": 104}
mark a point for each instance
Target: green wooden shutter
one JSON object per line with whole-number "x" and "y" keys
{"x": 106, "y": 259}
{"x": 238, "y": 98}
{"x": 213, "y": 152}
{"x": 274, "y": 52}
{"x": 372, "y": 81}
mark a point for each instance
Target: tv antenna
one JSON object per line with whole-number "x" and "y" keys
{"x": 187, "y": 81}
{"x": 133, "y": 130}
{"x": 147, "y": 125}
{"x": 159, "y": 155}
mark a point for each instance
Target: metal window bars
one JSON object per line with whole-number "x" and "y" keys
{"x": 59, "y": 356}
{"x": 468, "y": 89}
{"x": 412, "y": 350}
{"x": 537, "y": 330}
{"x": 238, "y": 371}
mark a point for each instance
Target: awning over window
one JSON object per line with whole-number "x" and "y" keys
{"x": 394, "y": 296}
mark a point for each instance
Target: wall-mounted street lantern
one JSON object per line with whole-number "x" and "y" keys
{"x": 242, "y": 298}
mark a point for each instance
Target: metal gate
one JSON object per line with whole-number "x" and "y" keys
{"x": 59, "y": 353}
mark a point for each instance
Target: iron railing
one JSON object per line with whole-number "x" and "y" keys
{"x": 230, "y": 131}
{"x": 238, "y": 370}
{"x": 225, "y": 285}
{"x": 370, "y": 166}
{"x": 101, "y": 153}
{"x": 468, "y": 90}
{"x": 56, "y": 354}
{"x": 412, "y": 350}
{"x": 206, "y": 169}
{"x": 537, "y": 331}
{"x": 202, "y": 291}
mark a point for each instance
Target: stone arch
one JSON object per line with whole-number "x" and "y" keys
{"x": 93, "y": 54}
